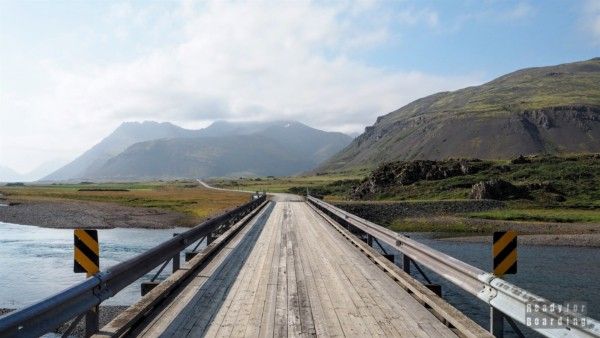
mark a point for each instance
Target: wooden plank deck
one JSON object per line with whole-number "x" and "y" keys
{"x": 290, "y": 273}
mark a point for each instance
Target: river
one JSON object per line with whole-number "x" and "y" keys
{"x": 37, "y": 262}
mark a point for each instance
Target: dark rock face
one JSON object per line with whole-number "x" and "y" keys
{"x": 406, "y": 173}
{"x": 497, "y": 189}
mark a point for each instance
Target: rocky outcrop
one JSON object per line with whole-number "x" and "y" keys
{"x": 497, "y": 189}
{"x": 406, "y": 173}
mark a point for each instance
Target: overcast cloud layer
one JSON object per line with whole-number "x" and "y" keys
{"x": 195, "y": 63}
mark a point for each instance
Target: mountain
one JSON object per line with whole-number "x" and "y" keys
{"x": 9, "y": 175}
{"x": 238, "y": 155}
{"x": 544, "y": 110}
{"x": 124, "y": 136}
{"x": 222, "y": 149}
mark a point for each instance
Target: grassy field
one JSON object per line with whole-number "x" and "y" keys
{"x": 332, "y": 184}
{"x": 185, "y": 197}
{"x": 541, "y": 215}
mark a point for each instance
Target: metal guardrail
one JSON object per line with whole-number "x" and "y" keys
{"x": 48, "y": 314}
{"x": 508, "y": 298}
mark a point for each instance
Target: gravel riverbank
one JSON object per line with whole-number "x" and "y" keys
{"x": 87, "y": 214}
{"x": 107, "y": 313}
{"x": 581, "y": 240}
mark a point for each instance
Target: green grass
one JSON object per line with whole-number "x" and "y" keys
{"x": 541, "y": 215}
{"x": 180, "y": 196}
{"x": 447, "y": 225}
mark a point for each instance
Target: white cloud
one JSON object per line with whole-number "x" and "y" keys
{"x": 233, "y": 60}
{"x": 591, "y": 20}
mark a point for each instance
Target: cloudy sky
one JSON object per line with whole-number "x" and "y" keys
{"x": 71, "y": 72}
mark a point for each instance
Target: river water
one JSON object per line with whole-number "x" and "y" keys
{"x": 37, "y": 262}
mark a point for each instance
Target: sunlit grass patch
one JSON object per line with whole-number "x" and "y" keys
{"x": 541, "y": 215}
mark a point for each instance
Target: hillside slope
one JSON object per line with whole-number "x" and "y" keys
{"x": 545, "y": 110}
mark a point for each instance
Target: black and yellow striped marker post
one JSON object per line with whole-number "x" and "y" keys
{"x": 505, "y": 252}
{"x": 87, "y": 259}
{"x": 87, "y": 252}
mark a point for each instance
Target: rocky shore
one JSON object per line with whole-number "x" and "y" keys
{"x": 87, "y": 214}
{"x": 107, "y": 313}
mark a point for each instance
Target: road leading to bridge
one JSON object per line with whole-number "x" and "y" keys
{"x": 290, "y": 273}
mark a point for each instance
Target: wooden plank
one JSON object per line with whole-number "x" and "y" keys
{"x": 281, "y": 320}
{"x": 347, "y": 307}
{"x": 293, "y": 304}
{"x": 252, "y": 325}
{"x": 267, "y": 325}
{"x": 307, "y": 325}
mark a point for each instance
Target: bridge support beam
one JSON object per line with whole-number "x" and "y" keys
{"x": 496, "y": 323}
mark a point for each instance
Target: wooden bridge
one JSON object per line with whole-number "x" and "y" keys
{"x": 290, "y": 273}
{"x": 287, "y": 267}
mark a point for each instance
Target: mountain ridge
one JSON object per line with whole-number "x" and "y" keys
{"x": 109, "y": 158}
{"x": 540, "y": 110}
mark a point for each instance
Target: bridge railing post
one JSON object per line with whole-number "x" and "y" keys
{"x": 496, "y": 323}
{"x": 406, "y": 263}
{"x": 92, "y": 321}
{"x": 176, "y": 260}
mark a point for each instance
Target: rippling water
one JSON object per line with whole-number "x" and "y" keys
{"x": 37, "y": 262}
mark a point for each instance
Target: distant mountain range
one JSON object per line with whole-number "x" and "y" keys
{"x": 9, "y": 175}
{"x": 545, "y": 110}
{"x": 152, "y": 150}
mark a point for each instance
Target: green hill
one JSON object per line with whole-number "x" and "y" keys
{"x": 545, "y": 110}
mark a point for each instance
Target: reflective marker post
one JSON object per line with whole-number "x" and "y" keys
{"x": 504, "y": 252}
{"x": 87, "y": 259}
